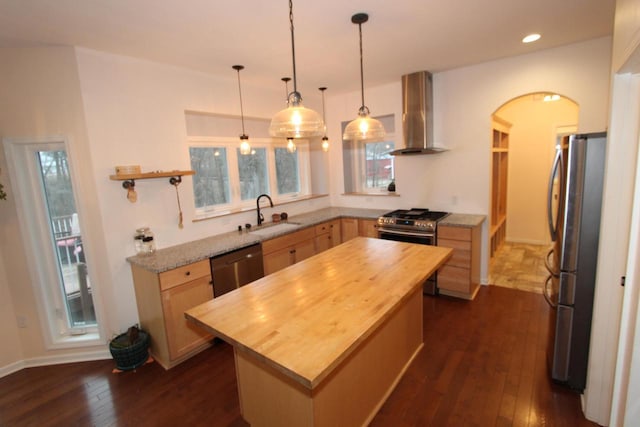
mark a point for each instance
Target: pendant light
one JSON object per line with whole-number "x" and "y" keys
{"x": 295, "y": 121}
{"x": 364, "y": 128}
{"x": 245, "y": 148}
{"x": 291, "y": 146}
{"x": 325, "y": 138}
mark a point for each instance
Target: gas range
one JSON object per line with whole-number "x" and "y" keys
{"x": 414, "y": 219}
{"x": 413, "y": 226}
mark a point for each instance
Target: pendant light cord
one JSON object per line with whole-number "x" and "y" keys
{"x": 240, "y": 92}
{"x": 293, "y": 47}
{"x": 361, "y": 67}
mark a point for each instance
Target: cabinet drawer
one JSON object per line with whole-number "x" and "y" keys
{"x": 454, "y": 278}
{"x": 454, "y": 233}
{"x": 184, "y": 274}
{"x": 461, "y": 252}
{"x": 323, "y": 228}
{"x": 290, "y": 239}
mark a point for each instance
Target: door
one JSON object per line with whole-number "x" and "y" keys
{"x": 53, "y": 235}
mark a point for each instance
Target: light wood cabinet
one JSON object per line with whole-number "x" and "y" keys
{"x": 460, "y": 276}
{"x": 349, "y": 228}
{"x": 354, "y": 227}
{"x": 162, "y": 300}
{"x": 283, "y": 251}
{"x": 328, "y": 235}
{"x": 499, "y": 178}
{"x": 368, "y": 228}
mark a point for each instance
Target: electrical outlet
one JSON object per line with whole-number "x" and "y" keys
{"x": 22, "y": 321}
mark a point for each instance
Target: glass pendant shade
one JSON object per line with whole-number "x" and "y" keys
{"x": 291, "y": 146}
{"x": 365, "y": 128}
{"x": 245, "y": 147}
{"x": 296, "y": 121}
{"x": 325, "y": 144}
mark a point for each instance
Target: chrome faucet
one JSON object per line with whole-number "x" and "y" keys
{"x": 260, "y": 216}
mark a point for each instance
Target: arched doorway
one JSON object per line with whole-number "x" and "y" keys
{"x": 528, "y": 127}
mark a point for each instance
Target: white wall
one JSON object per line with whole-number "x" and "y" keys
{"x": 464, "y": 100}
{"x": 40, "y": 96}
{"x": 617, "y": 308}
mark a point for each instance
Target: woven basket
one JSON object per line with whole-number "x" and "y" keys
{"x": 130, "y": 356}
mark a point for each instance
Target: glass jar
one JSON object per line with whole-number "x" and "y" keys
{"x": 148, "y": 243}
{"x": 137, "y": 238}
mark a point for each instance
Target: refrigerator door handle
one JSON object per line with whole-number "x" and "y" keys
{"x": 556, "y": 172}
{"x": 547, "y": 264}
{"x": 545, "y": 292}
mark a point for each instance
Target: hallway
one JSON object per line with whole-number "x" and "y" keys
{"x": 519, "y": 266}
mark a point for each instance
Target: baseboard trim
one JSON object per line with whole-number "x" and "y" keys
{"x": 84, "y": 356}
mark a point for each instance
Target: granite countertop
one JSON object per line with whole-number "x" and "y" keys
{"x": 462, "y": 220}
{"x": 197, "y": 250}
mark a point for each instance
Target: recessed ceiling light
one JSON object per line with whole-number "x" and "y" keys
{"x": 531, "y": 38}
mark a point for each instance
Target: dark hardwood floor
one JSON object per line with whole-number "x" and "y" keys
{"x": 483, "y": 364}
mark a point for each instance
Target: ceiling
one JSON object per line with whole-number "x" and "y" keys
{"x": 402, "y": 36}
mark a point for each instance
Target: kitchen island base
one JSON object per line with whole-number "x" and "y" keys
{"x": 351, "y": 395}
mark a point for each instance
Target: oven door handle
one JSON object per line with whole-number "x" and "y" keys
{"x": 404, "y": 233}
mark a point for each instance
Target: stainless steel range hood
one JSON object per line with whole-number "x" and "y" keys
{"x": 417, "y": 115}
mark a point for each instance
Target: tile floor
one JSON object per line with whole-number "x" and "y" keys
{"x": 519, "y": 266}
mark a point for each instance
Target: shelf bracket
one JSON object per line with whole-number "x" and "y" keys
{"x": 129, "y": 184}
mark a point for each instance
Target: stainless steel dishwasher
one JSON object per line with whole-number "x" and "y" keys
{"x": 237, "y": 268}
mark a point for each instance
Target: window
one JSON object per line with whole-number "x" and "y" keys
{"x": 226, "y": 180}
{"x": 378, "y": 164}
{"x": 53, "y": 236}
{"x": 253, "y": 173}
{"x": 287, "y": 171}
{"x": 368, "y": 167}
{"x": 211, "y": 181}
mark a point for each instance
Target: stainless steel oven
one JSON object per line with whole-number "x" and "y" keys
{"x": 413, "y": 226}
{"x": 407, "y": 236}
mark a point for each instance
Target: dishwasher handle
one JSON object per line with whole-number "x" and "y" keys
{"x": 241, "y": 258}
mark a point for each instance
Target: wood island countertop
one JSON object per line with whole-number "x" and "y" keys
{"x": 306, "y": 319}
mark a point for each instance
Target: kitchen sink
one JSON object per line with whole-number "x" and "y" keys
{"x": 271, "y": 230}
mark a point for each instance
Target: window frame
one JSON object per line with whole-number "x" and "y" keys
{"x": 231, "y": 144}
{"x": 358, "y": 166}
{"x": 35, "y": 229}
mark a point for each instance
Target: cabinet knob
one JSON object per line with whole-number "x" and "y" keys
{"x": 188, "y": 273}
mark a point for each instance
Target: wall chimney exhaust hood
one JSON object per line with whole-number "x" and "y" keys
{"x": 417, "y": 115}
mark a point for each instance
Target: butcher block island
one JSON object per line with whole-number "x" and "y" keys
{"x": 324, "y": 341}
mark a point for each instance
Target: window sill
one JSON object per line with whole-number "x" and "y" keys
{"x": 382, "y": 193}
{"x": 74, "y": 341}
{"x": 218, "y": 214}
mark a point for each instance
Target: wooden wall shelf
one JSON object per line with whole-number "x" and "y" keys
{"x": 150, "y": 175}
{"x": 129, "y": 180}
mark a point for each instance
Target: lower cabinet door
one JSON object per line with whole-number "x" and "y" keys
{"x": 184, "y": 336}
{"x": 304, "y": 250}
{"x": 277, "y": 260}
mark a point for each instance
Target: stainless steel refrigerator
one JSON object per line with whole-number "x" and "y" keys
{"x": 574, "y": 206}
